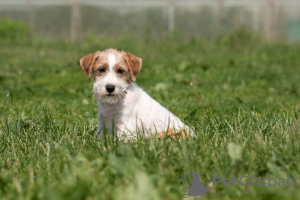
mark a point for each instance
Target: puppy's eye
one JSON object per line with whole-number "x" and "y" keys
{"x": 120, "y": 71}
{"x": 101, "y": 70}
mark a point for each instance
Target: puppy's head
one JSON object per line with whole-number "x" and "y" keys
{"x": 113, "y": 72}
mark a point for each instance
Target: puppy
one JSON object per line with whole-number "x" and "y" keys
{"x": 123, "y": 107}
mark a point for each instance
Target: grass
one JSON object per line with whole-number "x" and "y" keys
{"x": 244, "y": 104}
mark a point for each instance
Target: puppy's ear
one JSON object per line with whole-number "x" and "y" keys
{"x": 135, "y": 64}
{"x": 87, "y": 63}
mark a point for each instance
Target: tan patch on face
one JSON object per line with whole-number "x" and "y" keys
{"x": 134, "y": 63}
{"x": 172, "y": 134}
{"x": 99, "y": 69}
{"x": 98, "y": 63}
{"x": 101, "y": 66}
{"x": 122, "y": 70}
{"x": 87, "y": 63}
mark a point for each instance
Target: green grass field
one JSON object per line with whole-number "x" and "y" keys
{"x": 244, "y": 104}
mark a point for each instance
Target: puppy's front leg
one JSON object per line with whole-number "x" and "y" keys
{"x": 99, "y": 131}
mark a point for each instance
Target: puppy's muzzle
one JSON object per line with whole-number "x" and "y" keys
{"x": 110, "y": 88}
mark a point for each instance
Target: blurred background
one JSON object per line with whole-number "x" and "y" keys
{"x": 229, "y": 68}
{"x": 276, "y": 20}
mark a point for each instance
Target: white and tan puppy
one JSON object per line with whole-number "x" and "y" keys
{"x": 123, "y": 107}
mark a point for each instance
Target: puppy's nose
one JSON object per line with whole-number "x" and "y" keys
{"x": 110, "y": 88}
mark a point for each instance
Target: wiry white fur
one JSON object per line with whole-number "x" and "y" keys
{"x": 130, "y": 110}
{"x": 101, "y": 94}
{"x": 111, "y": 60}
{"x": 111, "y": 78}
{"x": 137, "y": 113}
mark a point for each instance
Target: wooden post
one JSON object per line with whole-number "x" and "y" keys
{"x": 240, "y": 21}
{"x": 8, "y": 12}
{"x": 280, "y": 23}
{"x": 255, "y": 17}
{"x": 268, "y": 19}
{"x": 75, "y": 20}
{"x": 31, "y": 18}
{"x": 221, "y": 16}
{"x": 171, "y": 9}
{"x": 124, "y": 8}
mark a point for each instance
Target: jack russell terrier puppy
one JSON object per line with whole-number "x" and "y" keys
{"x": 123, "y": 107}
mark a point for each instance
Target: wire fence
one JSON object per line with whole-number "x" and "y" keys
{"x": 275, "y": 19}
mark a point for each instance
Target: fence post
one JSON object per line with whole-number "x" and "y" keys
{"x": 124, "y": 8}
{"x": 75, "y": 20}
{"x": 221, "y": 16}
{"x": 280, "y": 23}
{"x": 171, "y": 9}
{"x": 255, "y": 17}
{"x": 31, "y": 17}
{"x": 269, "y": 19}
